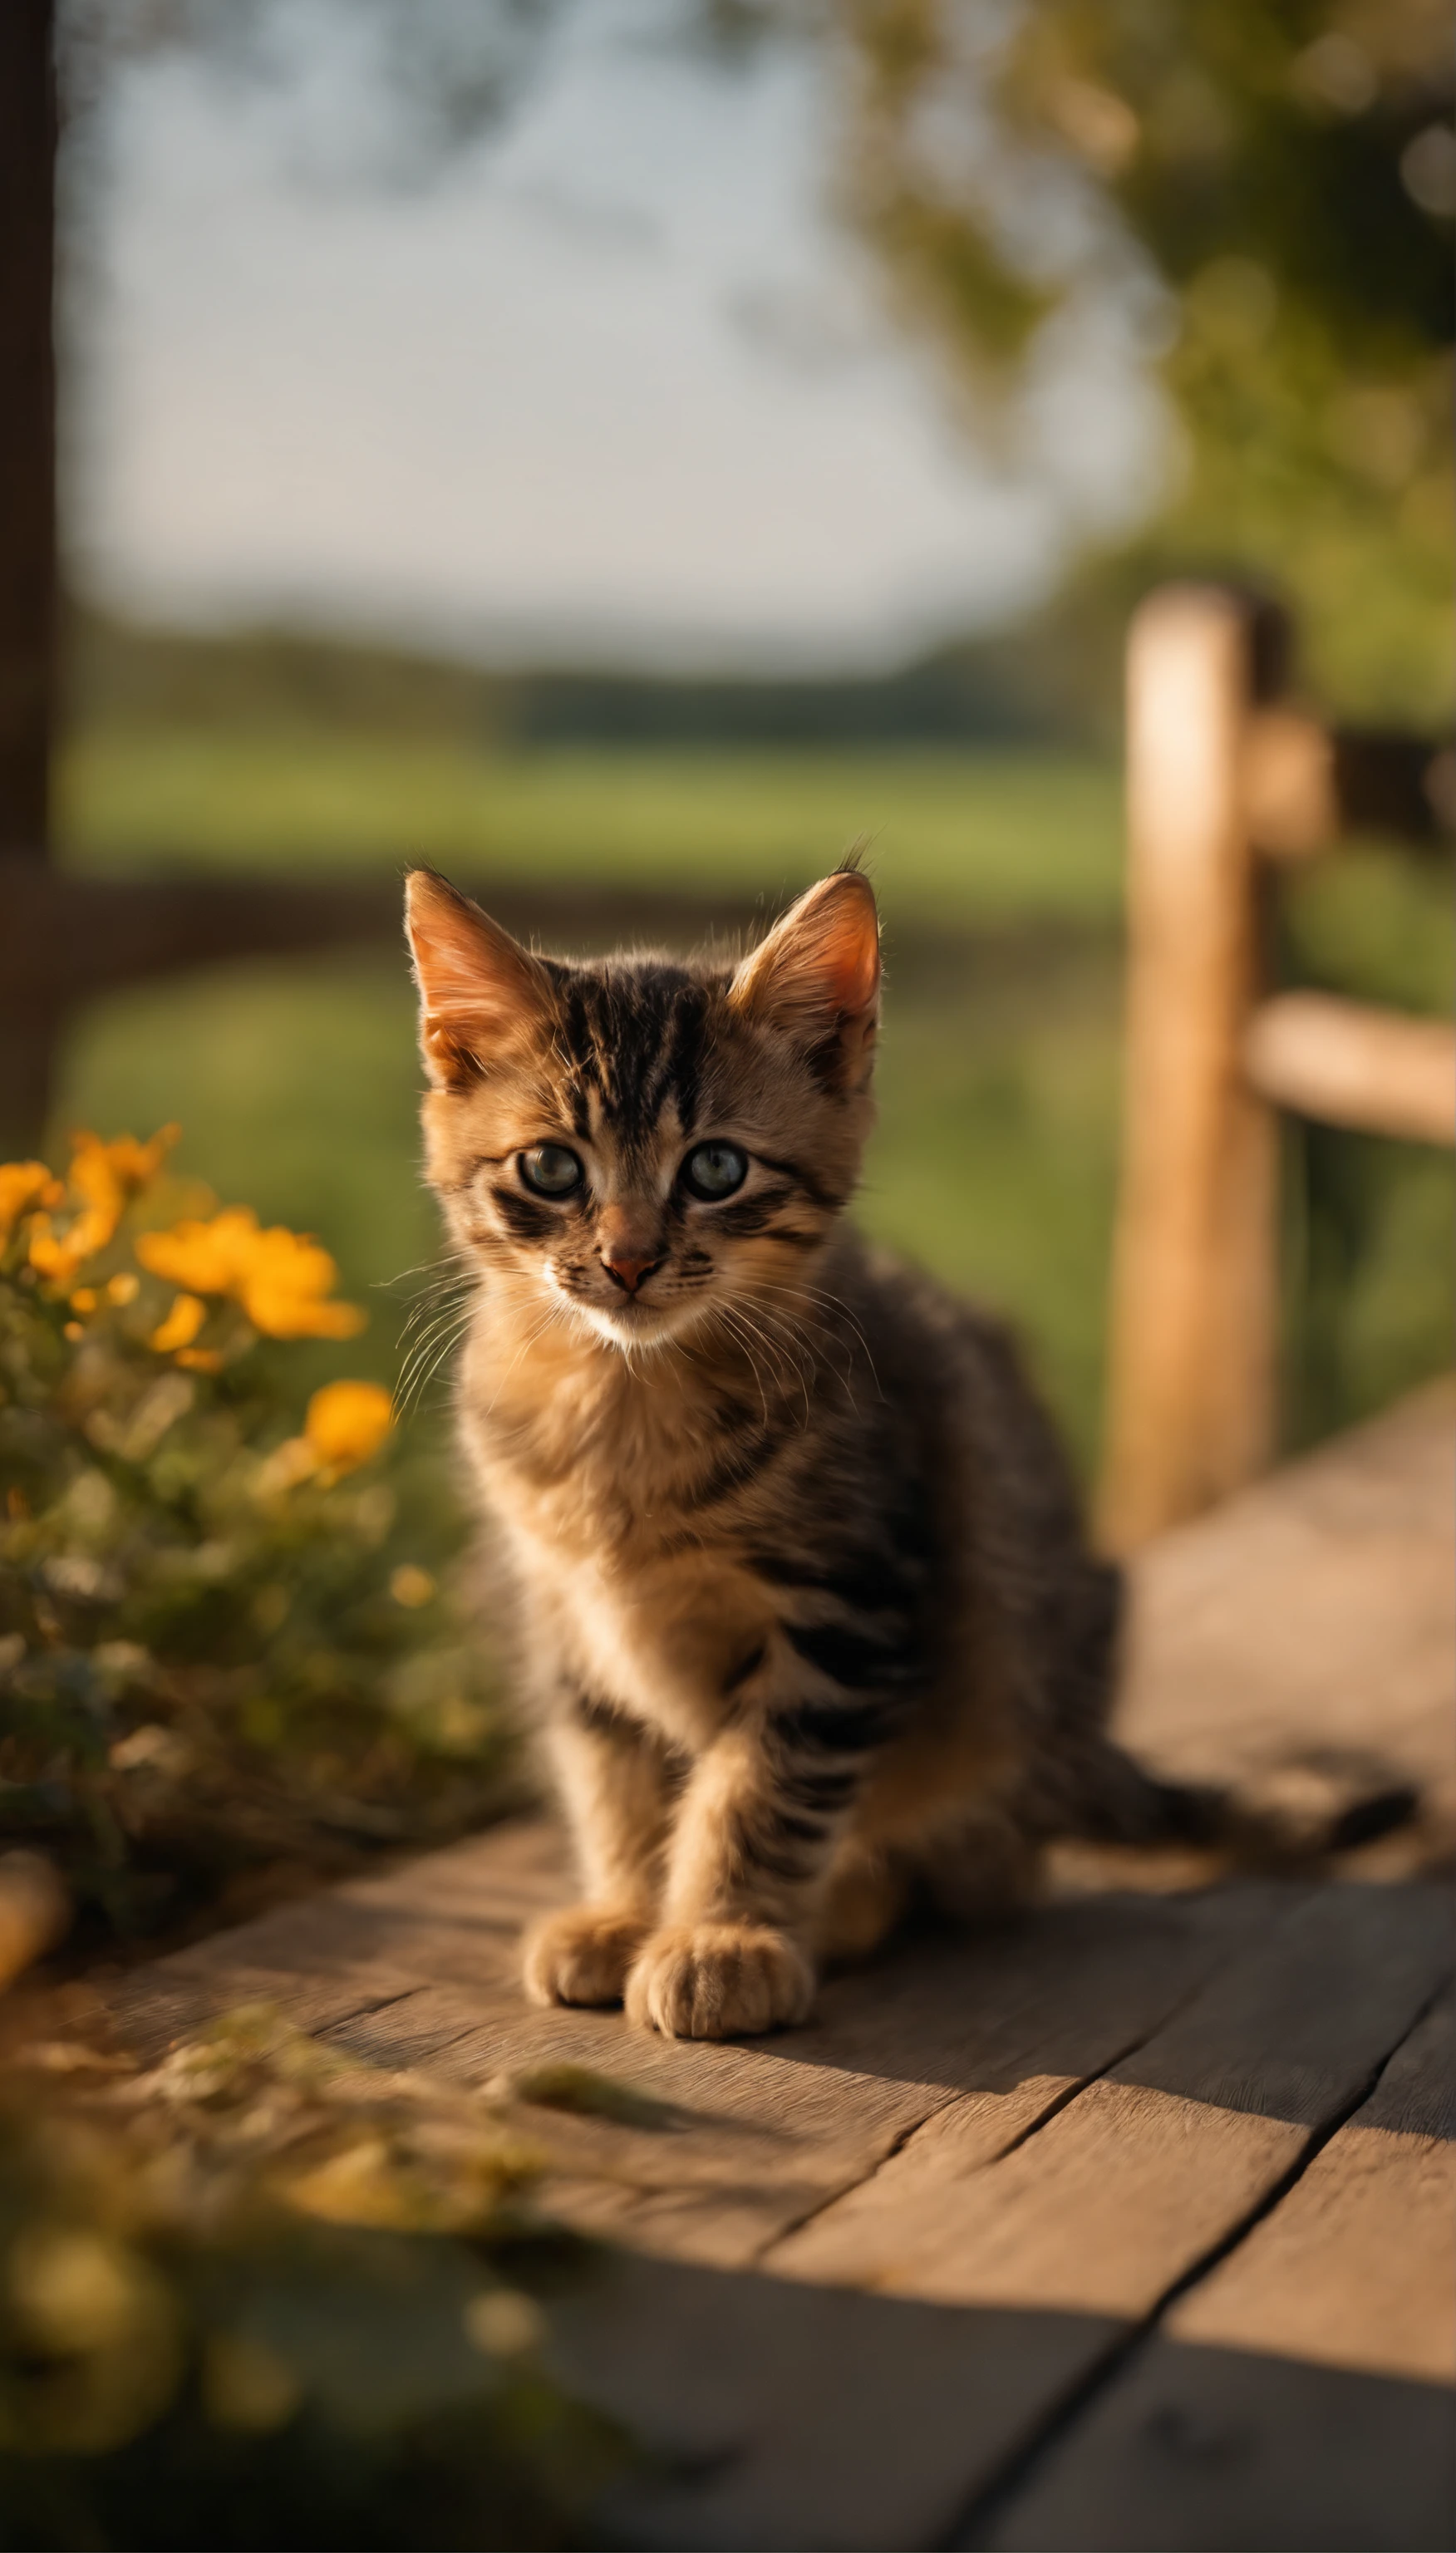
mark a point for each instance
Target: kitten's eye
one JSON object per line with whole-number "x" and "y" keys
{"x": 714, "y": 1171}
{"x": 550, "y": 1170}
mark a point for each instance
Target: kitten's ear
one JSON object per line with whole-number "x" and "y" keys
{"x": 481, "y": 994}
{"x": 816, "y": 976}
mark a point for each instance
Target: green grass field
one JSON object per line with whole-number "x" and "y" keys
{"x": 995, "y": 1157}
{"x": 997, "y": 835}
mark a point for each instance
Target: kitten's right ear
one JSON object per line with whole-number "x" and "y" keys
{"x": 816, "y": 977}
{"x": 481, "y": 994}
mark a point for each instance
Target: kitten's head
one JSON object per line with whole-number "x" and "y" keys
{"x": 643, "y": 1140}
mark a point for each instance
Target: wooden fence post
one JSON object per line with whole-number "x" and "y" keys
{"x": 26, "y": 422}
{"x": 29, "y": 1019}
{"x": 1195, "y": 1253}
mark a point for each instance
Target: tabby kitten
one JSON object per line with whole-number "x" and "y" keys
{"x": 804, "y": 1613}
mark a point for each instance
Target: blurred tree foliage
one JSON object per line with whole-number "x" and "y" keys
{"x": 1262, "y": 192}
{"x": 1269, "y": 187}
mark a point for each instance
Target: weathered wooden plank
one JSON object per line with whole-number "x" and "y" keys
{"x": 748, "y": 2143}
{"x": 1243, "y": 2012}
{"x": 1152, "y": 2164}
{"x": 450, "y": 1914}
{"x": 1229, "y": 2451}
{"x": 783, "y": 2415}
{"x": 766, "y": 2133}
{"x": 514, "y": 1871}
{"x": 153, "y": 2008}
{"x": 875, "y": 2421}
{"x": 1295, "y": 2396}
{"x": 1147, "y": 2168}
{"x": 1356, "y": 2266}
{"x": 418, "y": 1968}
{"x": 996, "y": 2034}
{"x": 1312, "y": 1618}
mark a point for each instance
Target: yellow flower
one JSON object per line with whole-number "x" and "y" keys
{"x": 411, "y": 1586}
{"x": 205, "y": 1258}
{"x": 60, "y": 1256}
{"x": 280, "y": 1278}
{"x": 134, "y": 1165}
{"x": 283, "y": 1288}
{"x": 346, "y": 1422}
{"x": 103, "y": 1176}
{"x": 180, "y": 1327}
{"x": 24, "y": 1185}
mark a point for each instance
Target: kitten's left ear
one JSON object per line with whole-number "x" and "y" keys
{"x": 481, "y": 994}
{"x": 816, "y": 977}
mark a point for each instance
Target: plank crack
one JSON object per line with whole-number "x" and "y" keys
{"x": 976, "y": 2521}
{"x": 1072, "y": 2091}
{"x": 830, "y": 2199}
{"x": 1051, "y": 2109}
{"x": 438, "y": 2048}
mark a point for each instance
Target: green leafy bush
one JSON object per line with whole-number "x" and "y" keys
{"x": 227, "y": 1655}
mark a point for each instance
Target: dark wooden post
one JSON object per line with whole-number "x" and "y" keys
{"x": 28, "y": 135}
{"x": 26, "y": 423}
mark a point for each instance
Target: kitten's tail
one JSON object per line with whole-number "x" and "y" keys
{"x": 1292, "y": 1813}
{"x": 1316, "y": 1806}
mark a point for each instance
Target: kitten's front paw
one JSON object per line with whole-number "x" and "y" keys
{"x": 718, "y": 1981}
{"x": 580, "y": 1955}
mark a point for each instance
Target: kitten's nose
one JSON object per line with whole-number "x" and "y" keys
{"x": 627, "y": 1273}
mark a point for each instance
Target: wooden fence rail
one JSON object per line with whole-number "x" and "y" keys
{"x": 66, "y": 936}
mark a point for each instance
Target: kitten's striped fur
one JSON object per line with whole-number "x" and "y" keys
{"x": 805, "y": 1617}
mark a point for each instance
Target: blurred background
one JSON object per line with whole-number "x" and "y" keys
{"x": 651, "y": 444}
{"x": 623, "y": 452}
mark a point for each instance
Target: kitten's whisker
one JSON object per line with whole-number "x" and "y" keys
{"x": 825, "y": 1294}
{"x": 801, "y": 1365}
{"x": 443, "y": 1318}
{"x": 424, "y": 1318}
{"x": 427, "y": 1378}
{"x": 725, "y": 1314}
{"x": 418, "y": 1352}
{"x": 425, "y": 1268}
{"x": 750, "y": 1336}
{"x": 441, "y": 1278}
{"x": 439, "y": 1302}
{"x": 763, "y": 1332}
{"x": 758, "y": 1313}
{"x": 418, "y": 1375}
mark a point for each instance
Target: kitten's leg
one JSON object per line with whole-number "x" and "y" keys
{"x": 748, "y": 1863}
{"x": 979, "y": 1873}
{"x": 867, "y": 1896}
{"x": 616, "y": 1788}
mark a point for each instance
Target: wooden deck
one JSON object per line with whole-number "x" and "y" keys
{"x": 1131, "y": 2226}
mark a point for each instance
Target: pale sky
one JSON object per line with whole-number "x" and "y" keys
{"x": 613, "y": 387}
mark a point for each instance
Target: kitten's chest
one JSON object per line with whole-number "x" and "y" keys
{"x": 661, "y": 1636}
{"x": 591, "y": 1497}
